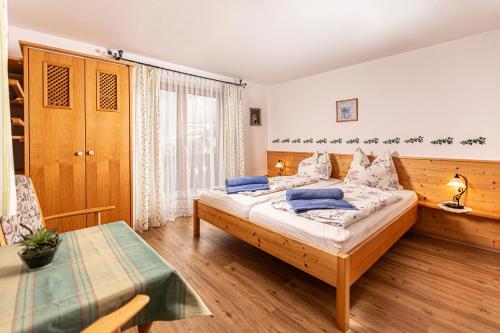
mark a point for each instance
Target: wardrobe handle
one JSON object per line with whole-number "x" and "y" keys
{"x": 79, "y": 153}
{"x": 90, "y": 152}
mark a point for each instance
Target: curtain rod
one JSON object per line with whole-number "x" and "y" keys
{"x": 118, "y": 55}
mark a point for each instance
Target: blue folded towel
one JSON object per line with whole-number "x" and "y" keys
{"x": 246, "y": 181}
{"x": 300, "y": 206}
{"x": 308, "y": 194}
{"x": 247, "y": 188}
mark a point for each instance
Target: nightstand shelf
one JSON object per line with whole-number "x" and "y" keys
{"x": 474, "y": 212}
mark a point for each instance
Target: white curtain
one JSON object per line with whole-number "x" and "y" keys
{"x": 187, "y": 137}
{"x": 234, "y": 151}
{"x": 7, "y": 181}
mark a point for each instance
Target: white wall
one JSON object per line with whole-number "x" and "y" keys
{"x": 255, "y": 136}
{"x": 450, "y": 89}
{"x": 253, "y": 96}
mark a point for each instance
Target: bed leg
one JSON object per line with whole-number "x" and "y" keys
{"x": 196, "y": 219}
{"x": 343, "y": 292}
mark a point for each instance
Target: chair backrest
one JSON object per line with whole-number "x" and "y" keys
{"x": 112, "y": 322}
{"x": 28, "y": 213}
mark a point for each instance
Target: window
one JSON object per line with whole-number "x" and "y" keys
{"x": 188, "y": 138}
{"x": 197, "y": 152}
{"x": 202, "y": 161}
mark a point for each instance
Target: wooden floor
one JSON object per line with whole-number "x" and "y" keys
{"x": 420, "y": 285}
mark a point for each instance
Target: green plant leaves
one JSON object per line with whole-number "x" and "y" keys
{"x": 40, "y": 242}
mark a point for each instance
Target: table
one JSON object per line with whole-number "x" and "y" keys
{"x": 95, "y": 271}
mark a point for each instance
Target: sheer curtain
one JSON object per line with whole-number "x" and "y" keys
{"x": 7, "y": 181}
{"x": 188, "y": 137}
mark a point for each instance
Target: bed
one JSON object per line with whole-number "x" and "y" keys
{"x": 338, "y": 268}
{"x": 327, "y": 237}
{"x": 337, "y": 257}
{"x": 241, "y": 204}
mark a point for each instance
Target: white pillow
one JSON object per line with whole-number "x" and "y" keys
{"x": 307, "y": 166}
{"x": 319, "y": 167}
{"x": 380, "y": 174}
{"x": 324, "y": 168}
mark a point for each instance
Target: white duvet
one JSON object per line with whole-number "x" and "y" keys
{"x": 240, "y": 204}
{"x": 332, "y": 238}
{"x": 279, "y": 183}
{"x": 366, "y": 199}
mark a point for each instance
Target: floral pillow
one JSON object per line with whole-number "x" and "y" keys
{"x": 323, "y": 169}
{"x": 380, "y": 174}
{"x": 316, "y": 166}
{"x": 27, "y": 213}
{"x": 306, "y": 166}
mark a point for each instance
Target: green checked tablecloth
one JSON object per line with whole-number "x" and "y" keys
{"x": 95, "y": 271}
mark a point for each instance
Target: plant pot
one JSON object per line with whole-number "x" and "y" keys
{"x": 39, "y": 261}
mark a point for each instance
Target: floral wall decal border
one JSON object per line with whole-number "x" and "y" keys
{"x": 418, "y": 139}
{"x": 477, "y": 141}
{"x": 395, "y": 141}
{"x": 443, "y": 141}
{"x": 371, "y": 141}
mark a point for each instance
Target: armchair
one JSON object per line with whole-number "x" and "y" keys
{"x": 29, "y": 213}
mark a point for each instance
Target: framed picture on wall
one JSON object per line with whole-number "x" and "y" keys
{"x": 347, "y": 110}
{"x": 255, "y": 117}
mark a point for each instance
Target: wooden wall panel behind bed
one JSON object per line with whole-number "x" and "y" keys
{"x": 428, "y": 178}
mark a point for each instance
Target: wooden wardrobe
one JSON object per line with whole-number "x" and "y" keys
{"x": 78, "y": 147}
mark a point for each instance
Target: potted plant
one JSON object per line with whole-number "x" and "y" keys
{"x": 39, "y": 248}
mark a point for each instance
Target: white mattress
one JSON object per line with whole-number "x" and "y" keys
{"x": 240, "y": 204}
{"x": 332, "y": 238}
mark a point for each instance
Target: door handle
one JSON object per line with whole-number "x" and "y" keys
{"x": 79, "y": 153}
{"x": 90, "y": 152}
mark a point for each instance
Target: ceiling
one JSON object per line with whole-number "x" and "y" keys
{"x": 264, "y": 41}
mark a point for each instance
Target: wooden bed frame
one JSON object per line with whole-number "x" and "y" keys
{"x": 340, "y": 270}
{"x": 426, "y": 176}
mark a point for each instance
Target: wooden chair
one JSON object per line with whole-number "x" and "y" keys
{"x": 29, "y": 213}
{"x": 115, "y": 320}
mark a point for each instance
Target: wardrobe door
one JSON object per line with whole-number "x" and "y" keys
{"x": 108, "y": 139}
{"x": 57, "y": 134}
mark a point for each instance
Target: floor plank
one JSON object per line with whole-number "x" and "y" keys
{"x": 420, "y": 285}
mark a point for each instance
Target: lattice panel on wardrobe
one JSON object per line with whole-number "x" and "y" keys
{"x": 107, "y": 91}
{"x": 57, "y": 86}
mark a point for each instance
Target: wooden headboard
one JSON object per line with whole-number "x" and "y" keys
{"x": 426, "y": 176}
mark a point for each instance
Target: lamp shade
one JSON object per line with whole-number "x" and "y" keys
{"x": 280, "y": 164}
{"x": 457, "y": 182}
